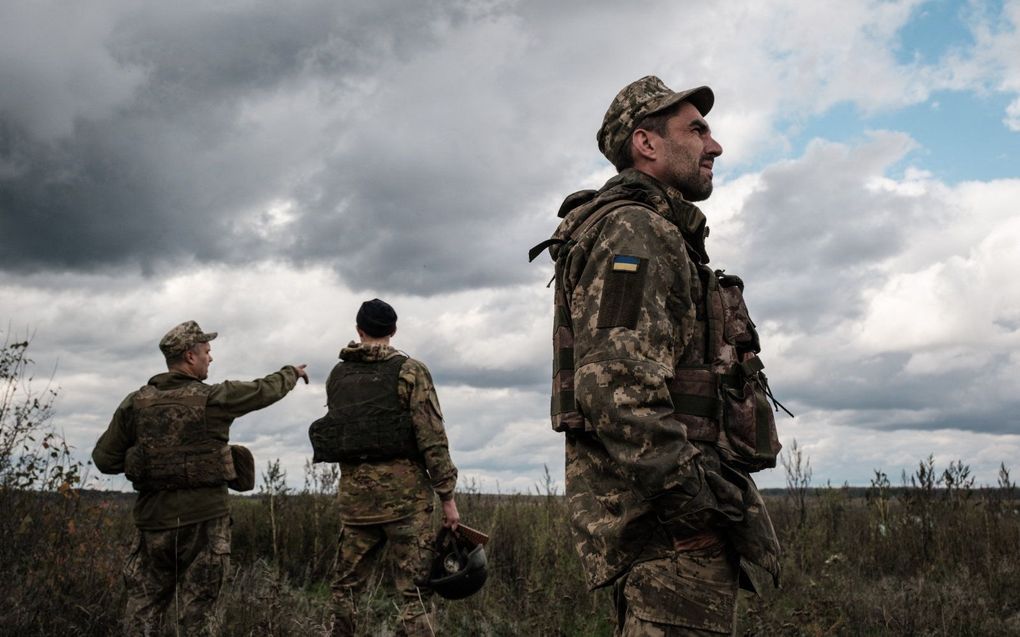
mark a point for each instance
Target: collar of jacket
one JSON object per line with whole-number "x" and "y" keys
{"x": 670, "y": 203}
{"x": 635, "y": 185}
{"x": 359, "y": 352}
{"x": 170, "y": 380}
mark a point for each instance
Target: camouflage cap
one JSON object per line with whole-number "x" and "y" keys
{"x": 638, "y": 100}
{"x": 181, "y": 338}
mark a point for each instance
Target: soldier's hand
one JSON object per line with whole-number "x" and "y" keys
{"x": 451, "y": 518}
{"x": 301, "y": 373}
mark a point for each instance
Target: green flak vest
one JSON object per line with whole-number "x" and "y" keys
{"x": 174, "y": 448}
{"x": 367, "y": 421}
{"x": 722, "y": 401}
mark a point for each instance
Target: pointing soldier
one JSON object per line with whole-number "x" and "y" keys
{"x": 171, "y": 440}
{"x": 657, "y": 384}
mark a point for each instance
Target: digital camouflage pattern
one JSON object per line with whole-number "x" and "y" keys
{"x": 226, "y": 401}
{"x": 636, "y": 482}
{"x": 636, "y": 101}
{"x": 409, "y": 543}
{"x": 690, "y": 593}
{"x": 174, "y": 449}
{"x": 173, "y": 579}
{"x": 387, "y": 490}
{"x": 183, "y": 337}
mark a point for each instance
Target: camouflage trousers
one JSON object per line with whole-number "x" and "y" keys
{"x": 409, "y": 542}
{"x": 173, "y": 579}
{"x": 691, "y": 594}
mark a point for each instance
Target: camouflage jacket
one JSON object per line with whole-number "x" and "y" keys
{"x": 388, "y": 490}
{"x": 634, "y": 481}
{"x": 160, "y": 510}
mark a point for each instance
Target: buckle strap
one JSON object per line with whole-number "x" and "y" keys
{"x": 563, "y": 402}
{"x": 540, "y": 248}
{"x": 563, "y": 360}
{"x": 692, "y": 405}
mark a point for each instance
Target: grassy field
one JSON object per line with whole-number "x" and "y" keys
{"x": 935, "y": 556}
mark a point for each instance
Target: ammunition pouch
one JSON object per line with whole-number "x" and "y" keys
{"x": 729, "y": 410}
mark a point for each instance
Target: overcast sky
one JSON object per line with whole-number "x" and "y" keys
{"x": 262, "y": 168}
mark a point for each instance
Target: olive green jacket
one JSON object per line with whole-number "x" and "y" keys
{"x": 159, "y": 510}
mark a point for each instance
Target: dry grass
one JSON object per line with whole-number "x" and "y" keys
{"x": 935, "y": 556}
{"x": 905, "y": 561}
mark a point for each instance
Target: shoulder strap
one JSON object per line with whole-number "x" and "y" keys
{"x": 595, "y": 217}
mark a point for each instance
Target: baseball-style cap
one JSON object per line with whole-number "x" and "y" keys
{"x": 183, "y": 337}
{"x": 638, "y": 100}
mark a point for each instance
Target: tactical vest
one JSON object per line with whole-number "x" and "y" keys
{"x": 723, "y": 399}
{"x": 367, "y": 422}
{"x": 174, "y": 448}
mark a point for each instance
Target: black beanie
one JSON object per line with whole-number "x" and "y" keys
{"x": 377, "y": 318}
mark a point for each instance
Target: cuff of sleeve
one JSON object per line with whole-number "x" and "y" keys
{"x": 446, "y": 497}
{"x": 290, "y": 373}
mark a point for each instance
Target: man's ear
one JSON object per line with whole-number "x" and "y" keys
{"x": 644, "y": 144}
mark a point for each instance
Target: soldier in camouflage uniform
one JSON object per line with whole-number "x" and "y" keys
{"x": 657, "y": 384}
{"x": 388, "y": 481}
{"x": 170, "y": 438}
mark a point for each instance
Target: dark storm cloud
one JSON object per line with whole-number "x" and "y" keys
{"x": 401, "y": 162}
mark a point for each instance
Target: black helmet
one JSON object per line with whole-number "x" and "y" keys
{"x": 459, "y": 569}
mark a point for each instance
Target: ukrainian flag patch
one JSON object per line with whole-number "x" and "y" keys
{"x": 624, "y": 263}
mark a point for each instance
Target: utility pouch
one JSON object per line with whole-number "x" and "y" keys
{"x": 738, "y": 328}
{"x": 324, "y": 435}
{"x": 749, "y": 439}
{"x": 726, "y": 400}
{"x": 244, "y": 469}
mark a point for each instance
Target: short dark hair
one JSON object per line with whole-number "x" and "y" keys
{"x": 656, "y": 123}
